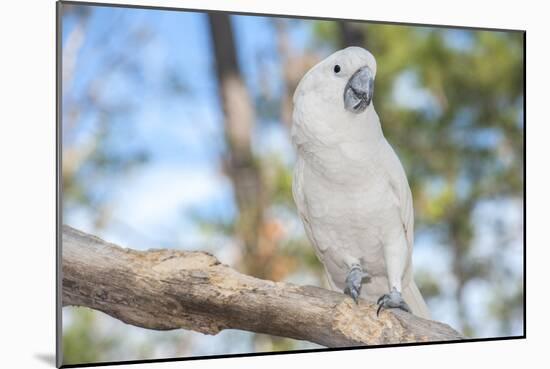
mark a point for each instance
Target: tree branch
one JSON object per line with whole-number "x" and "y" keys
{"x": 171, "y": 289}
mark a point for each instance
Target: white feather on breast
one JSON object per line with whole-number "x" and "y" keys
{"x": 347, "y": 208}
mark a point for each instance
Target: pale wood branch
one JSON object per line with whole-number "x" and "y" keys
{"x": 171, "y": 289}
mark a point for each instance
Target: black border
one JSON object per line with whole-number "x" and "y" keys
{"x": 59, "y": 208}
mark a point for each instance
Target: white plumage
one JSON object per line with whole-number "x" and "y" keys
{"x": 349, "y": 186}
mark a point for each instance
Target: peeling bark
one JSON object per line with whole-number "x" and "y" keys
{"x": 170, "y": 289}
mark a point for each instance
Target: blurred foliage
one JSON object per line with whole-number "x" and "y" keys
{"x": 82, "y": 342}
{"x": 506, "y": 307}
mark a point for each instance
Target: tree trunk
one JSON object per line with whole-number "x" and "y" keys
{"x": 352, "y": 34}
{"x": 240, "y": 164}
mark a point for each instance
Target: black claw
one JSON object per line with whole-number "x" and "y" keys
{"x": 392, "y": 300}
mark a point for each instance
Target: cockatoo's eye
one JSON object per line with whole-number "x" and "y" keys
{"x": 337, "y": 69}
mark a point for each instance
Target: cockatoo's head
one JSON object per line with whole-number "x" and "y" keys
{"x": 345, "y": 80}
{"x": 334, "y": 94}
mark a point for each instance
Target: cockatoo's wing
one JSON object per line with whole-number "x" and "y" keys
{"x": 400, "y": 188}
{"x": 303, "y": 213}
{"x": 397, "y": 178}
{"x": 299, "y": 197}
{"x": 301, "y": 205}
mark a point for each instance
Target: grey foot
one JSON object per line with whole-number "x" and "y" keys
{"x": 354, "y": 281}
{"x": 392, "y": 300}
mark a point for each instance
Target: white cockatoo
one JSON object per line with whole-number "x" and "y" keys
{"x": 349, "y": 186}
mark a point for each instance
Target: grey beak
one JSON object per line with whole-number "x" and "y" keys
{"x": 359, "y": 90}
